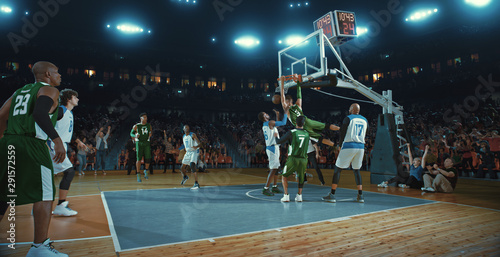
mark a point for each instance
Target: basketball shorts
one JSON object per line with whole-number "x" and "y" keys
{"x": 274, "y": 158}
{"x": 59, "y": 167}
{"x": 26, "y": 171}
{"x": 143, "y": 150}
{"x": 350, "y": 156}
{"x": 294, "y": 164}
{"x": 191, "y": 156}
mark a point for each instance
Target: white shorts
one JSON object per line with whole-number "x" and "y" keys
{"x": 59, "y": 167}
{"x": 274, "y": 158}
{"x": 191, "y": 156}
{"x": 350, "y": 156}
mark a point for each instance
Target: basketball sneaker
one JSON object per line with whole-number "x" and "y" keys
{"x": 276, "y": 190}
{"x": 329, "y": 198}
{"x": 298, "y": 198}
{"x": 285, "y": 198}
{"x": 146, "y": 174}
{"x": 383, "y": 184}
{"x": 63, "y": 210}
{"x": 404, "y": 186}
{"x": 45, "y": 249}
{"x": 196, "y": 186}
{"x": 267, "y": 192}
{"x": 139, "y": 177}
{"x": 360, "y": 199}
{"x": 184, "y": 179}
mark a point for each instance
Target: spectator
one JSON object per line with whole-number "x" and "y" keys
{"x": 445, "y": 181}
{"x": 82, "y": 156}
{"x": 487, "y": 158}
{"x": 121, "y": 159}
{"x": 101, "y": 141}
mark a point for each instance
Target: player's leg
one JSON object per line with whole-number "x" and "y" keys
{"x": 288, "y": 170}
{"x": 192, "y": 165}
{"x": 186, "y": 161}
{"x": 357, "y": 161}
{"x": 301, "y": 170}
{"x": 312, "y": 158}
{"x": 276, "y": 166}
{"x": 62, "y": 206}
{"x": 41, "y": 217}
{"x": 147, "y": 158}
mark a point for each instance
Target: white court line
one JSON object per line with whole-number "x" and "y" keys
{"x": 63, "y": 240}
{"x": 211, "y": 240}
{"x": 111, "y": 225}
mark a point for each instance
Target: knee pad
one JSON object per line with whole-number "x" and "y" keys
{"x": 357, "y": 177}
{"x": 336, "y": 175}
{"x": 67, "y": 178}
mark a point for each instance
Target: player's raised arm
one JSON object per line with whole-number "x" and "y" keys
{"x": 278, "y": 123}
{"x": 282, "y": 94}
{"x": 299, "y": 96}
{"x": 4, "y": 115}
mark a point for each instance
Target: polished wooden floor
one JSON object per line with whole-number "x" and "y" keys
{"x": 464, "y": 223}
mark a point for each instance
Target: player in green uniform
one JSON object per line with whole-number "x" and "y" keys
{"x": 297, "y": 156}
{"x": 26, "y": 171}
{"x": 315, "y": 128}
{"x": 141, "y": 133}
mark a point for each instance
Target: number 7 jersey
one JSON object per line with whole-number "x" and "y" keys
{"x": 21, "y": 121}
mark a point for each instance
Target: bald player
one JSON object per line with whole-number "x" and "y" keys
{"x": 315, "y": 128}
{"x": 26, "y": 170}
{"x": 352, "y": 136}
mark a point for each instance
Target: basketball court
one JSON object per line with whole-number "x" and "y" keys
{"x": 229, "y": 215}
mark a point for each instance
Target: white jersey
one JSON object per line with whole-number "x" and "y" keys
{"x": 189, "y": 142}
{"x": 64, "y": 126}
{"x": 356, "y": 131}
{"x": 269, "y": 134}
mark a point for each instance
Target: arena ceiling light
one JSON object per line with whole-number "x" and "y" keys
{"x": 127, "y": 28}
{"x": 361, "y": 30}
{"x": 421, "y": 15}
{"x": 247, "y": 42}
{"x": 478, "y": 3}
{"x": 5, "y": 9}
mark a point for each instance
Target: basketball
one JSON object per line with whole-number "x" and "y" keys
{"x": 276, "y": 99}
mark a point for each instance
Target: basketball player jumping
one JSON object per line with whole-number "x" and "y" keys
{"x": 269, "y": 128}
{"x": 141, "y": 133}
{"x": 315, "y": 128}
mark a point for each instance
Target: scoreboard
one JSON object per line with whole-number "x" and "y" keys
{"x": 338, "y": 26}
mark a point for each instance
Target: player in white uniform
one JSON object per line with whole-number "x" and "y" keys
{"x": 352, "y": 133}
{"x": 192, "y": 145}
{"x": 64, "y": 127}
{"x": 269, "y": 128}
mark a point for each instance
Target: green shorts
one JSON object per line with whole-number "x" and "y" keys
{"x": 143, "y": 149}
{"x": 315, "y": 128}
{"x": 26, "y": 172}
{"x": 294, "y": 164}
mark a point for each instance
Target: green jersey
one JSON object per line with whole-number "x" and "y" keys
{"x": 143, "y": 131}
{"x": 21, "y": 121}
{"x": 298, "y": 142}
{"x": 295, "y": 111}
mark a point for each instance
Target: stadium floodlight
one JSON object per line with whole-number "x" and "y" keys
{"x": 421, "y": 15}
{"x": 27, "y": 13}
{"x": 291, "y": 5}
{"x": 247, "y": 42}
{"x": 6, "y": 9}
{"x": 361, "y": 30}
{"x": 293, "y": 39}
{"x": 478, "y": 3}
{"x": 129, "y": 29}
